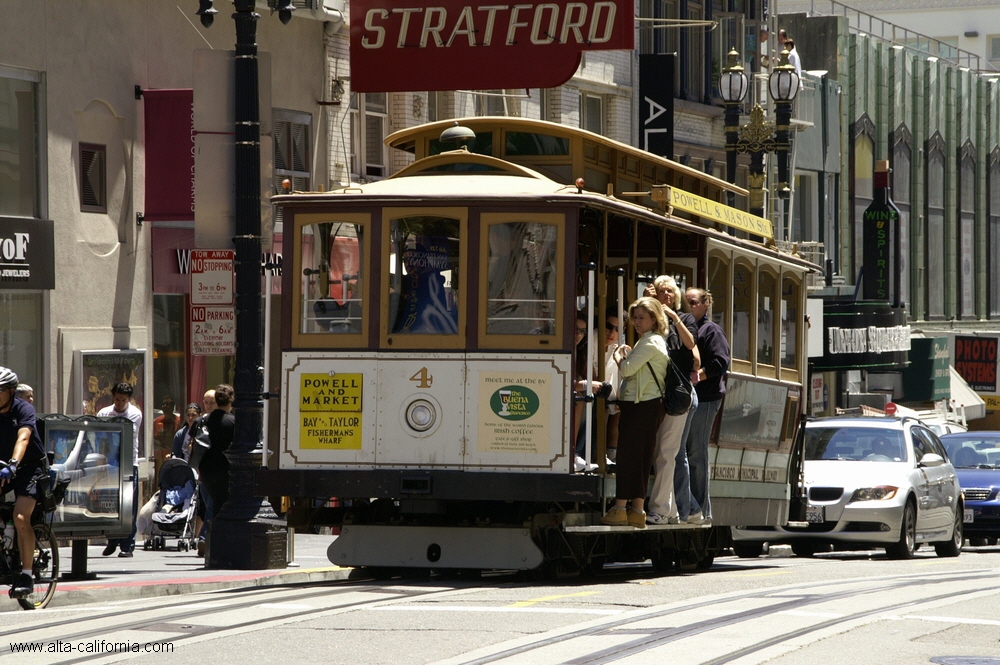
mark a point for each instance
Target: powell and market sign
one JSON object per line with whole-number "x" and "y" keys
{"x": 27, "y": 254}
{"x": 863, "y": 335}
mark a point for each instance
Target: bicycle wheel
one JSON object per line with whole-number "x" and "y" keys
{"x": 45, "y": 569}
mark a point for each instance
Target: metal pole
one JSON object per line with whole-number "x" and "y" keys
{"x": 238, "y": 536}
{"x": 732, "y": 119}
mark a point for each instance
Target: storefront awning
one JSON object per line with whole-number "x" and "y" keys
{"x": 964, "y": 396}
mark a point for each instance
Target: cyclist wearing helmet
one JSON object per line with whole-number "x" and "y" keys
{"x": 20, "y": 443}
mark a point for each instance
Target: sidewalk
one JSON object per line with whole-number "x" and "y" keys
{"x": 169, "y": 572}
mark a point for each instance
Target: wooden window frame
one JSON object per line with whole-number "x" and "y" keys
{"x": 406, "y": 341}
{"x": 301, "y": 340}
{"x": 551, "y": 342}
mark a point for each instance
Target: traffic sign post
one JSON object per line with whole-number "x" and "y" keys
{"x": 213, "y": 330}
{"x": 212, "y": 275}
{"x": 212, "y": 314}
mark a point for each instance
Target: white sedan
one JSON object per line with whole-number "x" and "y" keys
{"x": 870, "y": 482}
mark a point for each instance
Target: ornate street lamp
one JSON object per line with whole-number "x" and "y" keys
{"x": 245, "y": 533}
{"x": 758, "y": 136}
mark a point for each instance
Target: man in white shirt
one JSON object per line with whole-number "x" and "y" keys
{"x": 123, "y": 408}
{"x": 793, "y": 59}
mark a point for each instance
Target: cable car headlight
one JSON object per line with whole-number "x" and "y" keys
{"x": 421, "y": 415}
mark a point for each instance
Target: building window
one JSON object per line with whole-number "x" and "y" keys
{"x": 901, "y": 154}
{"x": 694, "y": 53}
{"x": 966, "y": 225}
{"x": 291, "y": 149}
{"x": 592, "y": 112}
{"x": 369, "y": 117}
{"x": 433, "y": 106}
{"x": 934, "y": 275}
{"x": 994, "y": 51}
{"x": 93, "y": 178}
{"x": 22, "y": 338}
{"x": 19, "y": 143}
{"x": 993, "y": 183}
{"x": 864, "y": 167}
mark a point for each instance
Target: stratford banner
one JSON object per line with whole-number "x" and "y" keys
{"x": 403, "y": 45}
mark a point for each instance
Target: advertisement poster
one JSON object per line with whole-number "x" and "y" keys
{"x": 514, "y": 412}
{"x": 330, "y": 411}
{"x": 976, "y": 362}
{"x": 99, "y": 371}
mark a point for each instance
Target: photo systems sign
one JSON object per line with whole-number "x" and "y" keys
{"x": 404, "y": 45}
{"x": 976, "y": 362}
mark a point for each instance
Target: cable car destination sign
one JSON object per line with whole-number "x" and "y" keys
{"x": 402, "y": 45}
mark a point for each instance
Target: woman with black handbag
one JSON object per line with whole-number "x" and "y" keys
{"x": 681, "y": 341}
{"x": 641, "y": 407}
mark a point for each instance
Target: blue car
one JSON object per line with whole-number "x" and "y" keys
{"x": 976, "y": 457}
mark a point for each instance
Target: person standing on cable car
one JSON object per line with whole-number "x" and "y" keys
{"x": 711, "y": 388}
{"x": 641, "y": 407}
{"x": 664, "y": 506}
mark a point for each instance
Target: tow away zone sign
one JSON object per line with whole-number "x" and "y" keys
{"x": 213, "y": 330}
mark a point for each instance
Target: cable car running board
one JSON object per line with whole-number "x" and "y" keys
{"x": 435, "y": 547}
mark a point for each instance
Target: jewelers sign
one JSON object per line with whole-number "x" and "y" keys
{"x": 402, "y": 45}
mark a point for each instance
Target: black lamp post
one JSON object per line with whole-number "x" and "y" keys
{"x": 758, "y": 136}
{"x": 245, "y": 533}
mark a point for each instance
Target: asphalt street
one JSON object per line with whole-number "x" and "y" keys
{"x": 151, "y": 573}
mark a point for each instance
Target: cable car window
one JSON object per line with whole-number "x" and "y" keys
{"x": 790, "y": 316}
{"x": 742, "y": 307}
{"x": 521, "y": 279}
{"x": 481, "y": 145}
{"x": 332, "y": 273}
{"x": 718, "y": 284}
{"x": 531, "y": 143}
{"x": 766, "y": 302}
{"x": 423, "y": 275}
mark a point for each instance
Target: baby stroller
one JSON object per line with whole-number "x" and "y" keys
{"x": 176, "y": 507}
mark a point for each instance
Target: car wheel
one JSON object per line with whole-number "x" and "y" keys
{"x": 952, "y": 547}
{"x": 977, "y": 542}
{"x": 904, "y": 548}
{"x": 748, "y": 549}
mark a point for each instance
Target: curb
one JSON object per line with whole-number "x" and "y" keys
{"x": 70, "y": 593}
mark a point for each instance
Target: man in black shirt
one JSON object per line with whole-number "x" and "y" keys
{"x": 20, "y": 443}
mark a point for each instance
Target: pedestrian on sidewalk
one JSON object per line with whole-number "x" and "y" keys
{"x": 123, "y": 408}
{"x": 213, "y": 468}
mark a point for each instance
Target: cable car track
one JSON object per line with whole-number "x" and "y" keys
{"x": 665, "y": 636}
{"x": 651, "y": 638}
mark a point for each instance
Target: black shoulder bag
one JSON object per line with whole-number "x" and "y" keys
{"x": 676, "y": 391}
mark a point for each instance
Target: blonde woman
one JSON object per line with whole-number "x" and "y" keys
{"x": 671, "y": 468}
{"x": 641, "y": 411}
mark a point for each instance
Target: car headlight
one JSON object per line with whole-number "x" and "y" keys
{"x": 880, "y": 493}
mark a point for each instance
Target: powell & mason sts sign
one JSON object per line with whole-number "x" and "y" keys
{"x": 403, "y": 45}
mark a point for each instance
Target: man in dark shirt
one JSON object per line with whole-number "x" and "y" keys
{"x": 20, "y": 443}
{"x": 214, "y": 466}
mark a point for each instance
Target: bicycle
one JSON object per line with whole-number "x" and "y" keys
{"x": 44, "y": 563}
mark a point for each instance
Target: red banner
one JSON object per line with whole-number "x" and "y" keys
{"x": 169, "y": 155}
{"x": 402, "y": 45}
